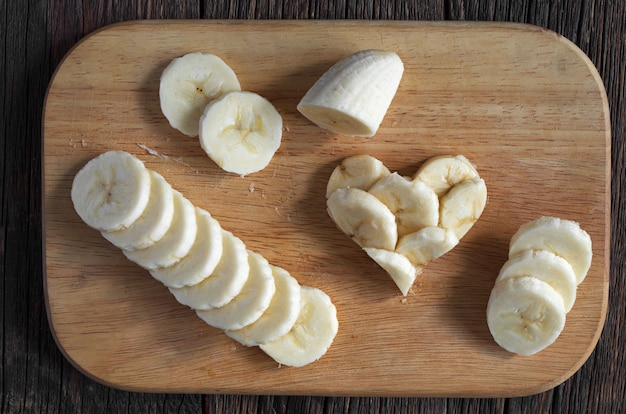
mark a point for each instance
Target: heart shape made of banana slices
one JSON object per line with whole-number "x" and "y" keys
{"x": 403, "y": 223}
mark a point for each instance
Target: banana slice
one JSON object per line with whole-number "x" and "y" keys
{"x": 397, "y": 266}
{"x": 153, "y": 223}
{"x": 187, "y": 86}
{"x": 353, "y": 96}
{"x": 363, "y": 217}
{"x": 546, "y": 266}
{"x": 564, "y": 238}
{"x": 250, "y": 303}
{"x": 357, "y": 171}
{"x": 279, "y": 317}
{"x": 426, "y": 245}
{"x": 525, "y": 315}
{"x": 175, "y": 244}
{"x": 444, "y": 171}
{"x": 224, "y": 283}
{"x": 413, "y": 203}
{"x": 111, "y": 191}
{"x": 462, "y": 205}
{"x": 311, "y": 335}
{"x": 202, "y": 259}
{"x": 241, "y": 132}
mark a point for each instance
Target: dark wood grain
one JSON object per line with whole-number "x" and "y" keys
{"x": 35, "y": 36}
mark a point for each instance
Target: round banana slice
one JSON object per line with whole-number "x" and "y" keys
{"x": 241, "y": 132}
{"x": 397, "y": 266}
{"x": 462, "y": 205}
{"x": 111, "y": 191}
{"x": 426, "y": 245}
{"x": 279, "y": 317}
{"x": 311, "y": 335}
{"x": 224, "y": 283}
{"x": 442, "y": 172}
{"x": 564, "y": 238}
{"x": 202, "y": 258}
{"x": 248, "y": 306}
{"x": 187, "y": 86}
{"x": 153, "y": 223}
{"x": 357, "y": 171}
{"x": 175, "y": 244}
{"x": 525, "y": 315}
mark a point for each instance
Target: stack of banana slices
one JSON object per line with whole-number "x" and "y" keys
{"x": 536, "y": 287}
{"x": 403, "y": 223}
{"x": 204, "y": 266}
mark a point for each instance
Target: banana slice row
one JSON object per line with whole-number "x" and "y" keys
{"x": 204, "y": 266}
{"x": 403, "y": 223}
{"x": 536, "y": 287}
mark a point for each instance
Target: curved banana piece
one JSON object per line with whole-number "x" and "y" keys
{"x": 353, "y": 96}
{"x": 426, "y": 245}
{"x": 442, "y": 172}
{"x": 401, "y": 270}
{"x": 462, "y": 205}
{"x": 357, "y": 171}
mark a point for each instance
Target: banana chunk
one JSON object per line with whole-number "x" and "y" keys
{"x": 354, "y": 95}
{"x": 443, "y": 172}
{"x": 462, "y": 205}
{"x": 358, "y": 171}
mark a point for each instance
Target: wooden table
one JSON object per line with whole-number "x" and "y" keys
{"x": 35, "y": 375}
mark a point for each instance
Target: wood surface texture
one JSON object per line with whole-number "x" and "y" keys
{"x": 36, "y": 376}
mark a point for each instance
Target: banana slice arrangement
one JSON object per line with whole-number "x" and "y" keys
{"x": 536, "y": 287}
{"x": 204, "y": 266}
{"x": 403, "y": 223}
{"x": 200, "y": 95}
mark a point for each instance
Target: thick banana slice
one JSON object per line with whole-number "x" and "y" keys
{"x": 353, "y": 96}
{"x": 224, "y": 283}
{"x": 250, "y": 303}
{"x": 414, "y": 204}
{"x": 444, "y": 171}
{"x": 177, "y": 241}
{"x": 545, "y": 266}
{"x": 564, "y": 238}
{"x": 525, "y": 315}
{"x": 462, "y": 205}
{"x": 153, "y": 223}
{"x": 397, "y": 266}
{"x": 357, "y": 171}
{"x": 241, "y": 132}
{"x": 111, "y": 191}
{"x": 202, "y": 258}
{"x": 187, "y": 86}
{"x": 426, "y": 245}
{"x": 311, "y": 335}
{"x": 363, "y": 217}
{"x": 278, "y": 318}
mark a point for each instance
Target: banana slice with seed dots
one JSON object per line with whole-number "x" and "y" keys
{"x": 357, "y": 171}
{"x": 462, "y": 205}
{"x": 397, "y": 265}
{"x": 442, "y": 172}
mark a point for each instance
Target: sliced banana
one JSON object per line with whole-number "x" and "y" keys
{"x": 426, "y": 245}
{"x": 224, "y": 283}
{"x": 546, "y": 266}
{"x": 562, "y": 237}
{"x": 525, "y": 315}
{"x": 357, "y": 171}
{"x": 398, "y": 266}
{"x": 353, "y": 96}
{"x": 248, "y": 306}
{"x": 111, "y": 191}
{"x": 187, "y": 86}
{"x": 445, "y": 171}
{"x": 175, "y": 244}
{"x": 412, "y": 202}
{"x": 202, "y": 259}
{"x": 363, "y": 217}
{"x": 462, "y": 205}
{"x": 312, "y": 333}
{"x": 241, "y": 132}
{"x": 278, "y": 318}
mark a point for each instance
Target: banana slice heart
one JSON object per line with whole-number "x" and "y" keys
{"x": 442, "y": 172}
{"x": 462, "y": 205}
{"x": 111, "y": 191}
{"x": 175, "y": 244}
{"x": 397, "y": 265}
{"x": 153, "y": 223}
{"x": 202, "y": 259}
{"x": 426, "y": 245}
{"x": 248, "y": 306}
{"x": 525, "y": 315}
{"x": 353, "y": 96}
{"x": 562, "y": 237}
{"x": 241, "y": 132}
{"x": 312, "y": 333}
{"x": 357, "y": 171}
{"x": 187, "y": 86}
{"x": 279, "y": 317}
{"x": 224, "y": 283}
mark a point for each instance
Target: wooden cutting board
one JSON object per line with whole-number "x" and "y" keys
{"x": 523, "y": 104}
